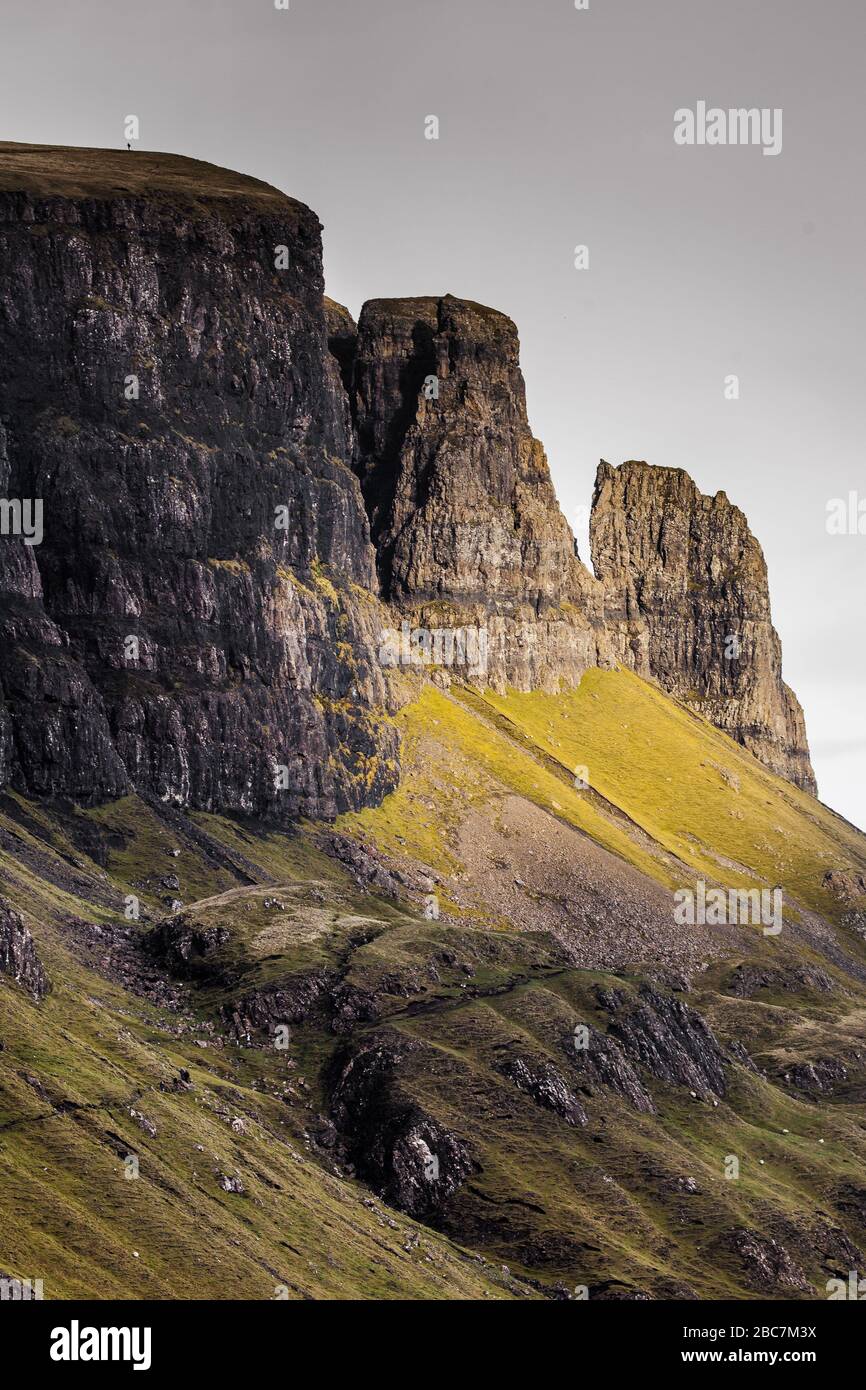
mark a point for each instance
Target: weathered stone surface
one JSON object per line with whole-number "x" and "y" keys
{"x": 686, "y": 585}
{"x": 602, "y": 1064}
{"x": 257, "y": 645}
{"x": 18, "y": 958}
{"x": 765, "y": 1264}
{"x": 409, "y": 1156}
{"x": 462, "y": 509}
{"x": 672, "y": 1041}
{"x": 750, "y": 978}
{"x": 547, "y": 1086}
{"x": 468, "y": 531}
{"x": 185, "y": 945}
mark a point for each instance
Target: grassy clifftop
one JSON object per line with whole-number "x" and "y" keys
{"x": 73, "y": 171}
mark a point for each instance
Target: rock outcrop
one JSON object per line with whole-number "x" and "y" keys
{"x": 468, "y": 532}
{"x": 462, "y": 510}
{"x": 18, "y": 958}
{"x": 546, "y": 1085}
{"x": 408, "y": 1155}
{"x": 199, "y": 621}
{"x": 686, "y": 585}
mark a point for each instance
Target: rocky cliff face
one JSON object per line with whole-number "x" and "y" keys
{"x": 233, "y": 477}
{"x": 468, "y": 530}
{"x": 462, "y": 509}
{"x": 18, "y": 957}
{"x": 686, "y": 583}
{"x": 200, "y": 619}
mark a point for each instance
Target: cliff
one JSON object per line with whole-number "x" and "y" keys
{"x": 468, "y": 530}
{"x": 684, "y": 575}
{"x": 468, "y": 1003}
{"x": 462, "y": 508}
{"x": 245, "y": 496}
{"x": 200, "y": 619}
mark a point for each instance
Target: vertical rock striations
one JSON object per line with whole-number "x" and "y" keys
{"x": 200, "y": 620}
{"x": 685, "y": 581}
{"x": 468, "y": 530}
{"x": 462, "y": 509}
{"x": 18, "y": 957}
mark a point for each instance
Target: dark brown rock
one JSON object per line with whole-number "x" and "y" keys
{"x": 766, "y": 1264}
{"x": 257, "y": 644}
{"x": 547, "y": 1086}
{"x": 462, "y": 509}
{"x": 18, "y": 958}
{"x": 168, "y": 384}
{"x": 686, "y": 585}
{"x": 603, "y": 1065}
{"x": 414, "y": 1161}
{"x": 672, "y": 1041}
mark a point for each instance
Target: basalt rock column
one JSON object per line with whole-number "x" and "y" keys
{"x": 462, "y": 509}
{"x": 685, "y": 577}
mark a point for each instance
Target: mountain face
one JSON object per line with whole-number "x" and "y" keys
{"x": 169, "y": 395}
{"x": 201, "y": 620}
{"x": 685, "y": 573}
{"x": 462, "y": 510}
{"x": 467, "y": 530}
{"x": 343, "y": 811}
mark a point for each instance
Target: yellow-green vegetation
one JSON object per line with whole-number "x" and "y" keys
{"x": 91, "y": 1076}
{"x": 633, "y": 1199}
{"x": 230, "y": 566}
{"x": 643, "y": 1201}
{"x": 455, "y": 759}
{"x": 71, "y": 1216}
{"x": 698, "y": 794}
{"x": 324, "y": 584}
{"x": 667, "y": 792}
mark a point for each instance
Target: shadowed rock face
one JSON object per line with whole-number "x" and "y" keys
{"x": 411, "y": 1158}
{"x": 686, "y": 581}
{"x": 18, "y": 958}
{"x": 160, "y": 512}
{"x": 462, "y": 509}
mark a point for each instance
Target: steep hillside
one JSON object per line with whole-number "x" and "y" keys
{"x": 143, "y": 1152}
{"x": 438, "y": 1060}
{"x": 349, "y": 827}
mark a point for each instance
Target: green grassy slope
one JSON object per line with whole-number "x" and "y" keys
{"x": 76, "y": 1066}
{"x": 553, "y": 899}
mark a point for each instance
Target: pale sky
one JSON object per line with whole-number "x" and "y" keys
{"x": 556, "y": 129}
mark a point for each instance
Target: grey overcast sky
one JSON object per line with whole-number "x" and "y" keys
{"x": 556, "y": 129}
